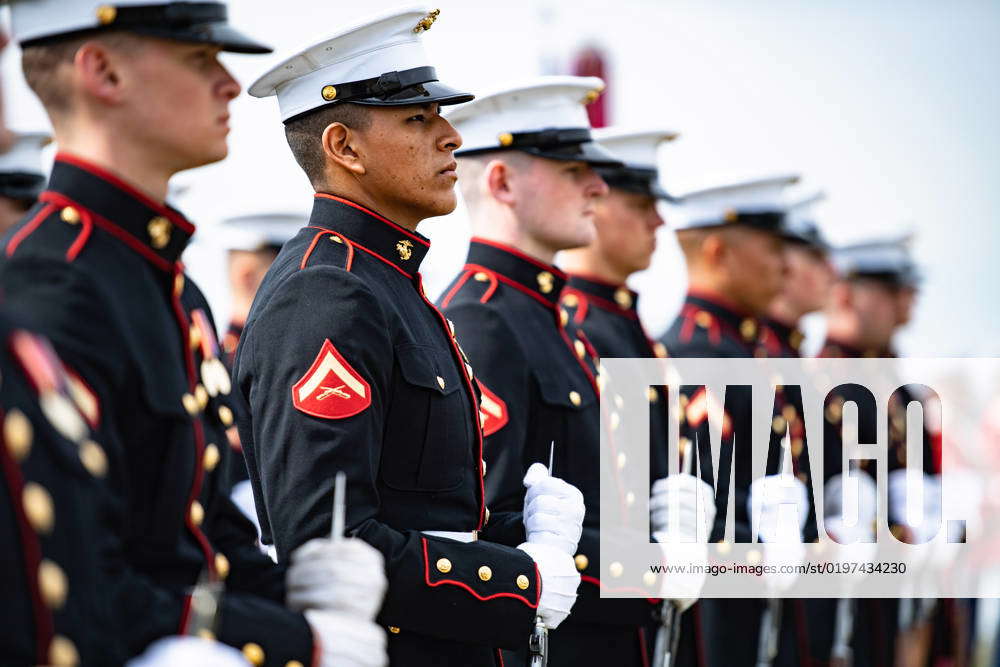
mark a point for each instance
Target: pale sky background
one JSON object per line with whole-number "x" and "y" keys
{"x": 891, "y": 108}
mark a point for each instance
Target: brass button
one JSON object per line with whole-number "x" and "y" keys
{"x": 546, "y": 282}
{"x": 206, "y": 634}
{"x": 481, "y": 276}
{"x": 571, "y": 300}
{"x": 93, "y": 458}
{"x": 486, "y": 517}
{"x": 652, "y": 395}
{"x": 660, "y": 350}
{"x": 581, "y": 349}
{"x": 789, "y": 413}
{"x": 505, "y": 139}
{"x": 574, "y": 398}
{"x": 444, "y": 565}
{"x": 797, "y": 447}
{"x": 225, "y": 415}
{"x": 393, "y": 630}
{"x": 468, "y": 371}
{"x": 211, "y": 457}
{"x": 522, "y": 582}
{"x": 52, "y": 584}
{"x": 17, "y": 433}
{"x": 201, "y": 395}
{"x": 591, "y": 96}
{"x": 106, "y": 14}
{"x": 485, "y": 573}
{"x": 179, "y": 284}
{"x": 159, "y": 229}
{"x": 190, "y": 404}
{"x": 748, "y": 328}
{"x": 336, "y": 239}
{"x": 563, "y": 317}
{"x": 581, "y": 562}
{"x": 703, "y": 319}
{"x": 254, "y": 654}
{"x": 622, "y": 460}
{"x": 482, "y": 465}
{"x": 329, "y": 93}
{"x": 616, "y": 569}
{"x": 440, "y": 381}
{"x": 38, "y": 507}
{"x": 197, "y": 513}
{"x": 70, "y": 215}
{"x": 221, "y": 566}
{"x": 649, "y": 579}
{"x": 623, "y": 297}
{"x": 63, "y": 653}
{"x": 630, "y": 499}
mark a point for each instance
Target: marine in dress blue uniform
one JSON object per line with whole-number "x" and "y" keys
{"x": 346, "y": 365}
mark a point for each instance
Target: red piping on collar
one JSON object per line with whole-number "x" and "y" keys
{"x": 594, "y": 279}
{"x": 113, "y": 229}
{"x": 513, "y": 283}
{"x": 454, "y": 290}
{"x": 554, "y": 270}
{"x": 396, "y": 226}
{"x": 604, "y": 304}
{"x": 130, "y": 190}
{"x": 28, "y": 229}
{"x": 354, "y": 244}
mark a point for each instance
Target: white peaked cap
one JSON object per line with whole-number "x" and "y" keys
{"x": 800, "y": 221}
{"x": 517, "y": 116}
{"x": 258, "y": 230}
{"x": 184, "y": 20}
{"x": 25, "y": 156}
{"x": 889, "y": 258}
{"x": 754, "y": 201}
{"x": 638, "y": 149}
{"x": 388, "y": 42}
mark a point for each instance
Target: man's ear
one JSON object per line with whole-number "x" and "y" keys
{"x": 339, "y": 147}
{"x": 714, "y": 248}
{"x": 99, "y": 71}
{"x": 500, "y": 179}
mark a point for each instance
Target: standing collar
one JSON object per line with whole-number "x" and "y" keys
{"x": 745, "y": 327}
{"x": 543, "y": 281}
{"x": 370, "y": 231}
{"x": 618, "y": 299}
{"x": 156, "y": 231}
{"x": 787, "y": 336}
{"x": 838, "y": 348}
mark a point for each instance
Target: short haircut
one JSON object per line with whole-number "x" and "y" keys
{"x": 43, "y": 63}
{"x": 472, "y": 167}
{"x": 305, "y": 135}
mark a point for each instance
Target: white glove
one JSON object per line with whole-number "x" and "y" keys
{"x": 898, "y": 512}
{"x": 346, "y": 576}
{"x": 559, "y": 582}
{"x": 553, "y": 510}
{"x": 172, "y": 651}
{"x": 776, "y": 499}
{"x": 837, "y": 495}
{"x": 347, "y": 641}
{"x": 687, "y": 496}
{"x": 684, "y": 586}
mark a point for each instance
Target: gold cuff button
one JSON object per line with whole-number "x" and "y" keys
{"x": 581, "y": 562}
{"x": 190, "y": 404}
{"x": 93, "y": 458}
{"x": 660, "y": 350}
{"x": 485, "y": 573}
{"x": 563, "y": 318}
{"x": 581, "y": 349}
{"x": 444, "y": 565}
{"x": 293, "y": 663}
{"x": 481, "y": 276}
{"x": 106, "y": 14}
{"x": 329, "y": 93}
{"x": 571, "y": 300}
{"x": 440, "y": 381}
{"x": 225, "y": 415}
{"x": 62, "y": 652}
{"x": 393, "y": 630}
{"x": 523, "y": 582}
{"x": 574, "y": 398}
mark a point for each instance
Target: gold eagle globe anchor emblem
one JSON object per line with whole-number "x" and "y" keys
{"x": 405, "y": 249}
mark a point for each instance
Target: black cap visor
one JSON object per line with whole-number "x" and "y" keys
{"x": 421, "y": 93}
{"x": 637, "y": 180}
{"x": 219, "y": 34}
{"x": 19, "y": 185}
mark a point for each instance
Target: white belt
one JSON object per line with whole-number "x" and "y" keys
{"x": 469, "y": 536}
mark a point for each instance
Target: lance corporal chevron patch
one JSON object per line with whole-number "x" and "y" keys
{"x": 331, "y": 389}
